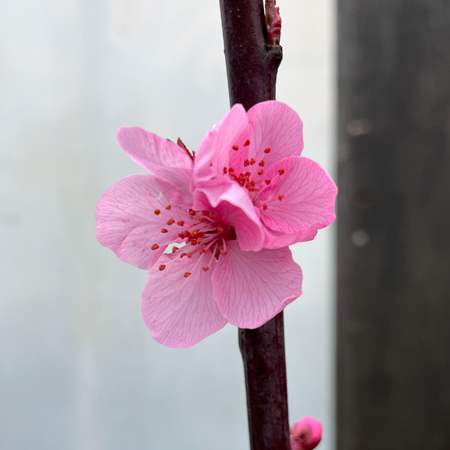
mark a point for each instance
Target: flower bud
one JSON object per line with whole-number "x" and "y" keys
{"x": 306, "y": 434}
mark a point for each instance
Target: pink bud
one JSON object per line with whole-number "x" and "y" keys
{"x": 273, "y": 22}
{"x": 306, "y": 434}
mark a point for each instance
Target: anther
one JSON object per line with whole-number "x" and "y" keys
{"x": 280, "y": 197}
{"x": 183, "y": 254}
{"x": 162, "y": 267}
{"x": 191, "y": 212}
{"x": 268, "y": 182}
{"x": 264, "y": 207}
{"x": 205, "y": 269}
{"x": 235, "y": 147}
{"x": 189, "y": 255}
{"x": 174, "y": 249}
{"x": 225, "y": 170}
{"x": 202, "y": 251}
{"x": 163, "y": 230}
{"x": 180, "y": 223}
{"x": 223, "y": 252}
{"x": 170, "y": 222}
{"x": 247, "y": 174}
{"x": 155, "y": 247}
{"x": 247, "y": 142}
{"x": 168, "y": 208}
{"x": 280, "y": 171}
{"x": 261, "y": 172}
{"x": 231, "y": 170}
{"x": 252, "y": 161}
{"x": 157, "y": 212}
{"x": 261, "y": 163}
{"x": 267, "y": 150}
{"x": 181, "y": 235}
{"x": 187, "y": 274}
{"x": 246, "y": 163}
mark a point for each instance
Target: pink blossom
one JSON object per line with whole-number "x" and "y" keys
{"x": 306, "y": 434}
{"x": 273, "y": 22}
{"x": 231, "y": 262}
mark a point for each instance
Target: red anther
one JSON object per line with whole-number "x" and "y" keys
{"x": 223, "y": 252}
{"x": 267, "y": 150}
{"x": 180, "y": 223}
{"x": 174, "y": 249}
{"x": 264, "y": 207}
{"x": 247, "y": 142}
{"x": 280, "y": 197}
{"x": 220, "y": 230}
{"x": 268, "y": 182}
{"x": 186, "y": 233}
{"x": 194, "y": 242}
{"x": 183, "y": 254}
{"x": 155, "y": 247}
{"x": 187, "y": 274}
{"x": 261, "y": 172}
{"x": 225, "y": 170}
{"x": 191, "y": 213}
{"x": 202, "y": 251}
{"x": 248, "y": 186}
{"x": 205, "y": 269}
{"x": 235, "y": 147}
{"x": 241, "y": 182}
{"x": 261, "y": 163}
{"x": 163, "y": 230}
{"x": 231, "y": 170}
{"x": 162, "y": 267}
{"x": 246, "y": 163}
{"x": 189, "y": 255}
{"x": 252, "y": 161}
{"x": 210, "y": 165}
{"x": 168, "y": 208}
{"x": 280, "y": 171}
{"x": 202, "y": 219}
{"x": 247, "y": 174}
{"x": 252, "y": 183}
{"x": 157, "y": 212}
{"x": 170, "y": 222}
{"x": 181, "y": 235}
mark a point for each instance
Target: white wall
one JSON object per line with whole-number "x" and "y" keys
{"x": 78, "y": 368}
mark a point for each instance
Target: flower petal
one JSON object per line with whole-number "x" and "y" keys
{"x": 128, "y": 225}
{"x": 180, "y": 311}
{"x": 251, "y": 288}
{"x": 275, "y": 239}
{"x": 216, "y": 149}
{"x": 302, "y": 197}
{"x": 151, "y": 151}
{"x": 235, "y": 208}
{"x": 277, "y": 127}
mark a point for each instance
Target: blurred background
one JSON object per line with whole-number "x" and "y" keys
{"x": 78, "y": 368}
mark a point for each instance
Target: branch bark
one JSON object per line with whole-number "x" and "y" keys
{"x": 252, "y": 66}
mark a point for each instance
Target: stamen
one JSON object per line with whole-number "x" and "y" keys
{"x": 189, "y": 255}
{"x": 175, "y": 249}
{"x": 246, "y": 163}
{"x": 205, "y": 269}
{"x": 231, "y": 170}
{"x": 280, "y": 171}
{"x": 235, "y": 147}
{"x": 157, "y": 212}
{"x": 180, "y": 223}
{"x": 268, "y": 182}
{"x": 261, "y": 163}
{"x": 168, "y": 208}
{"x": 267, "y": 150}
{"x": 191, "y": 212}
{"x": 261, "y": 172}
{"x": 183, "y": 254}
{"x": 170, "y": 222}
{"x": 162, "y": 267}
{"x": 155, "y": 247}
{"x": 202, "y": 251}
{"x": 223, "y": 252}
{"x": 280, "y": 197}
{"x": 187, "y": 274}
{"x": 181, "y": 235}
{"x": 247, "y": 142}
{"x": 225, "y": 171}
{"x": 264, "y": 207}
{"x": 163, "y": 230}
{"x": 252, "y": 161}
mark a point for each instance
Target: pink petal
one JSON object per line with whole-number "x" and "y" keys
{"x": 216, "y": 149}
{"x": 180, "y": 311}
{"x": 251, "y": 288}
{"x": 277, "y": 127}
{"x": 307, "y": 195}
{"x": 150, "y": 151}
{"x": 128, "y": 225}
{"x": 275, "y": 239}
{"x": 235, "y": 208}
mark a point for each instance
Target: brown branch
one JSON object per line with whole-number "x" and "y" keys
{"x": 252, "y": 65}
